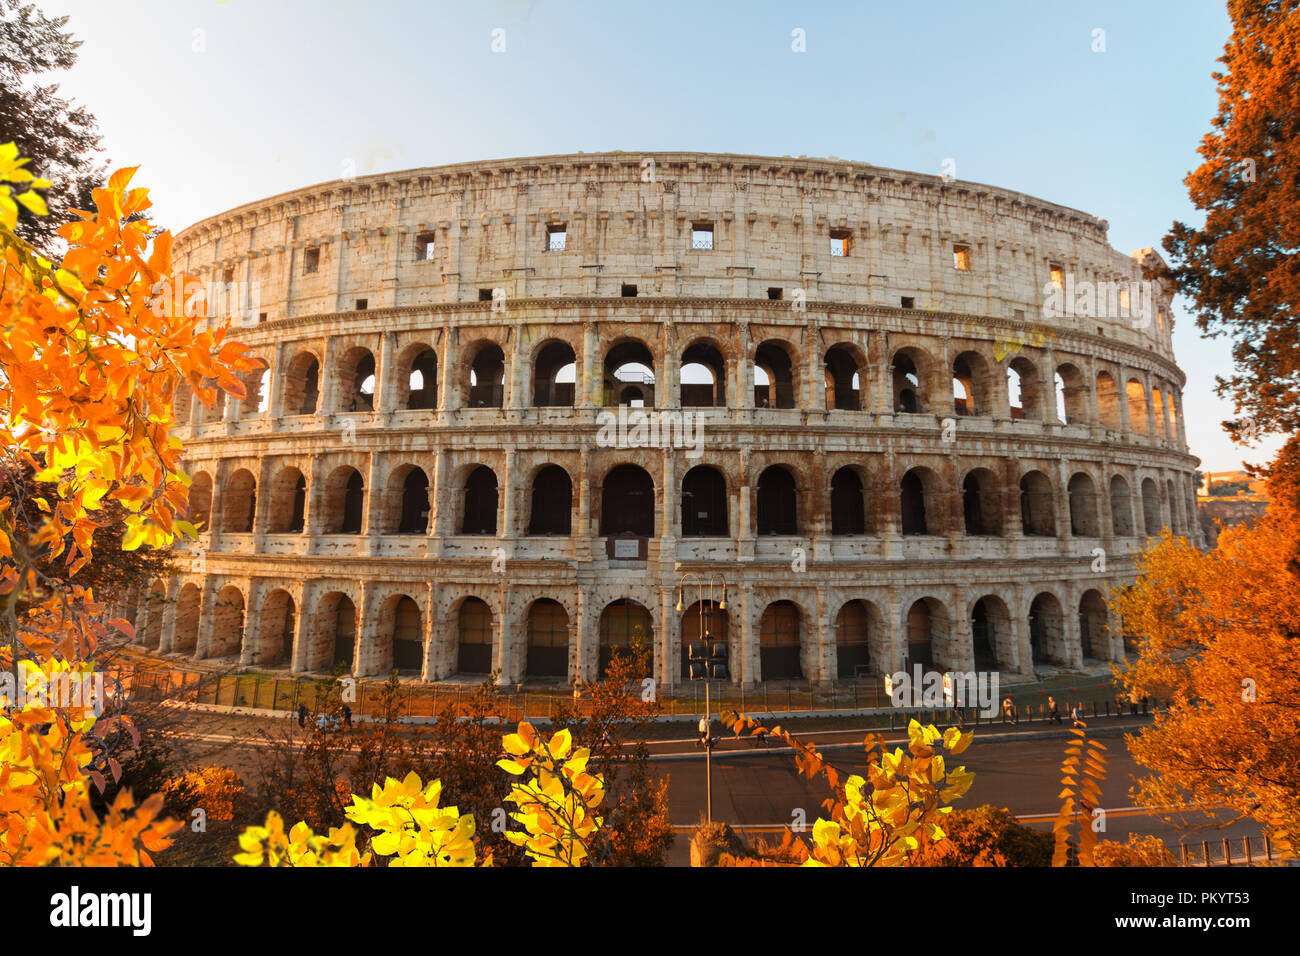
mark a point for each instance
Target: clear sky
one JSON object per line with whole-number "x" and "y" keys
{"x": 222, "y": 102}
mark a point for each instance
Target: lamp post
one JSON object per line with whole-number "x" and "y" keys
{"x": 706, "y": 661}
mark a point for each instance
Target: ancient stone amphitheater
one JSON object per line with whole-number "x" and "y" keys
{"x": 518, "y": 413}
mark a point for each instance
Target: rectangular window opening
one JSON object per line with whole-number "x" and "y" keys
{"x": 629, "y": 291}
{"x": 1058, "y": 275}
{"x": 425, "y": 247}
{"x": 841, "y": 243}
{"x": 361, "y": 304}
{"x": 310, "y": 261}
{"x": 556, "y": 237}
{"x": 702, "y": 235}
{"x": 775, "y": 293}
{"x": 485, "y": 295}
{"x": 909, "y": 302}
{"x": 961, "y": 258}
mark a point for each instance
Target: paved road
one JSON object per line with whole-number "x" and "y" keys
{"x": 1016, "y": 768}
{"x": 1021, "y": 775}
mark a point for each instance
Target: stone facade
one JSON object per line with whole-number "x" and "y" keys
{"x": 903, "y": 459}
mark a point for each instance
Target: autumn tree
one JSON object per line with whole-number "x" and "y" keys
{"x": 60, "y": 137}
{"x": 1219, "y": 639}
{"x": 90, "y": 359}
{"x": 1240, "y": 267}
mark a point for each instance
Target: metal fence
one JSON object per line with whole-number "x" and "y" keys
{"x": 155, "y": 681}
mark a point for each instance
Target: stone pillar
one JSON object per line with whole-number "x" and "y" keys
{"x": 386, "y": 375}
{"x": 207, "y": 597}
{"x": 250, "y": 648}
{"x": 747, "y": 656}
{"x": 506, "y": 531}
{"x": 449, "y": 373}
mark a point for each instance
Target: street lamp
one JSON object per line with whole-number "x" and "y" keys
{"x": 706, "y": 661}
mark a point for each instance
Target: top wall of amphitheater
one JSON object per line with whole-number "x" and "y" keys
{"x": 772, "y": 221}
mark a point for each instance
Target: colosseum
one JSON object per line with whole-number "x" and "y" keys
{"x": 516, "y": 414}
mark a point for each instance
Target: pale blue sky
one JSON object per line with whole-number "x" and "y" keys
{"x": 270, "y": 96}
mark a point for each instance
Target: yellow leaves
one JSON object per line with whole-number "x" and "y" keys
{"x": 555, "y": 801}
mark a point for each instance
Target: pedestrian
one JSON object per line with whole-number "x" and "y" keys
{"x": 322, "y": 722}
{"x": 1053, "y": 710}
{"x": 302, "y": 715}
{"x": 1008, "y": 708}
{"x": 1076, "y": 713}
{"x": 347, "y": 716}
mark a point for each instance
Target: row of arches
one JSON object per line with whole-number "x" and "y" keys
{"x": 627, "y": 375}
{"x": 858, "y": 642}
{"x": 921, "y": 503}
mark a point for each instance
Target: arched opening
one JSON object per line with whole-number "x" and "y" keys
{"x": 917, "y": 490}
{"x": 200, "y": 500}
{"x": 408, "y": 636}
{"x": 848, "y": 508}
{"x": 842, "y": 380}
{"x": 1084, "y": 521}
{"x": 1023, "y": 389}
{"x": 548, "y": 640}
{"x": 288, "y": 502}
{"x": 552, "y": 502}
{"x": 1137, "y": 407}
{"x": 774, "y": 388}
{"x": 239, "y": 502}
{"x": 1158, "y": 403}
{"x": 707, "y": 624}
{"x": 334, "y": 632}
{"x": 554, "y": 376}
{"x": 186, "y": 633}
{"x": 275, "y": 629}
{"x": 344, "y": 498}
{"x": 630, "y": 375}
{"x": 474, "y": 637}
{"x": 704, "y": 377}
{"x": 487, "y": 378}
{"x": 183, "y": 403}
{"x": 853, "y": 642}
{"x": 1107, "y": 400}
{"x": 1094, "y": 629}
{"x": 480, "y": 516}
{"x": 623, "y": 625}
{"x": 927, "y": 631}
{"x": 1071, "y": 395}
{"x": 418, "y": 378}
{"x": 257, "y": 390}
{"x": 411, "y": 483}
{"x": 357, "y": 381}
{"x": 302, "y": 385}
{"x": 993, "y": 643}
{"x": 1121, "y": 507}
{"x": 981, "y": 503}
{"x": 970, "y": 384}
{"x": 1150, "y": 507}
{"x": 704, "y": 503}
{"x": 778, "y": 642}
{"x": 1036, "y": 511}
{"x": 1046, "y": 634}
{"x": 627, "y": 503}
{"x": 910, "y": 390}
{"x": 777, "y": 502}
